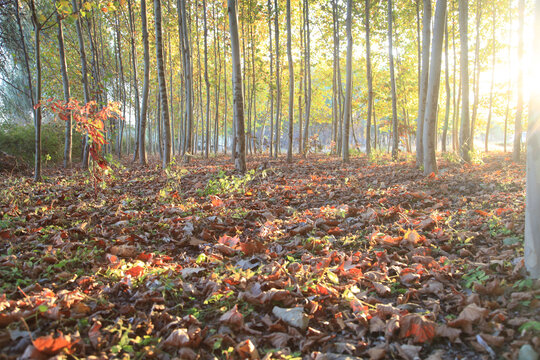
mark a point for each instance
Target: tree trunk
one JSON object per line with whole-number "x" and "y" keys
{"x": 37, "y": 111}
{"x": 464, "y": 132}
{"x": 476, "y": 71}
{"x": 426, "y": 38}
{"x": 509, "y": 85}
{"x": 277, "y": 142}
{"x": 207, "y": 82}
{"x": 395, "y": 143}
{"x": 270, "y": 79}
{"x": 532, "y": 221}
{"x": 135, "y": 81}
{"x": 167, "y": 145}
{"x": 488, "y": 125}
{"x": 65, "y": 84}
{"x": 188, "y": 77}
{"x": 369, "y": 81}
{"x": 240, "y": 149}
{"x": 348, "y": 87}
{"x": 447, "y": 82}
{"x": 146, "y": 86}
{"x": 291, "y": 82}
{"x": 307, "y": 96}
{"x": 430, "y": 120}
{"x": 516, "y": 154}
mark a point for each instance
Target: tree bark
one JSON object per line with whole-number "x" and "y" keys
{"x": 167, "y": 145}
{"x": 291, "y": 83}
{"x": 65, "y": 85}
{"x": 240, "y": 149}
{"x": 430, "y": 120}
{"x": 270, "y": 85}
{"x": 146, "y": 87}
{"x": 207, "y": 82}
{"x": 494, "y": 54}
{"x": 516, "y": 154}
{"x": 37, "y": 110}
{"x": 424, "y": 78}
{"x": 532, "y": 221}
{"x": 277, "y": 142}
{"x": 369, "y": 80}
{"x": 307, "y": 34}
{"x": 395, "y": 142}
{"x": 135, "y": 81}
{"x": 476, "y": 71}
{"x": 464, "y": 133}
{"x": 348, "y": 86}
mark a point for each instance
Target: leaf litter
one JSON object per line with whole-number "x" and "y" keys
{"x": 317, "y": 260}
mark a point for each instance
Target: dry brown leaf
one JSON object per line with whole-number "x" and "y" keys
{"x": 246, "y": 350}
{"x": 233, "y": 318}
{"x": 417, "y": 326}
{"x": 177, "y": 339}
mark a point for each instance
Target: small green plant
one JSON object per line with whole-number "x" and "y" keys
{"x": 532, "y": 325}
{"x": 474, "y": 276}
{"x": 451, "y": 157}
{"x": 224, "y": 184}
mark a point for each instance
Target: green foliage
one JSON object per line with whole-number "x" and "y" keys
{"x": 18, "y": 140}
{"x": 474, "y": 276}
{"x": 224, "y": 184}
{"x": 532, "y": 325}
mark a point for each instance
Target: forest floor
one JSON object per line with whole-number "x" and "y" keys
{"x": 314, "y": 260}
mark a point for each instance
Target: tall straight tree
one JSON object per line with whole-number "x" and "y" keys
{"x": 476, "y": 71}
{"x": 135, "y": 79}
{"x": 240, "y": 149}
{"x": 307, "y": 96}
{"x": 84, "y": 72}
{"x": 277, "y": 140}
{"x": 167, "y": 144}
{"x": 516, "y": 154}
{"x": 430, "y": 119}
{"x": 271, "y": 79}
{"x": 493, "y": 58}
{"x": 447, "y": 86}
{"x": 464, "y": 132}
{"x": 67, "y": 95}
{"x": 207, "y": 82}
{"x": 37, "y": 97}
{"x": 532, "y": 221}
{"x": 188, "y": 77}
{"x": 395, "y": 133}
{"x": 291, "y": 82}
{"x": 424, "y": 78}
{"x": 348, "y": 86}
{"x": 146, "y": 86}
{"x": 369, "y": 80}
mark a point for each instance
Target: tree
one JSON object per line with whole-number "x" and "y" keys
{"x": 494, "y": 54}
{"x": 447, "y": 86}
{"x": 188, "y": 78}
{"x": 516, "y": 154}
{"x": 430, "y": 119}
{"x": 532, "y": 221}
{"x": 146, "y": 86}
{"x": 167, "y": 145}
{"x": 369, "y": 81}
{"x": 270, "y": 79}
{"x": 277, "y": 141}
{"x": 240, "y": 150}
{"x": 291, "y": 82}
{"x": 206, "y": 81}
{"x": 464, "y": 133}
{"x": 424, "y": 77}
{"x": 135, "y": 81}
{"x": 308, "y": 91}
{"x": 476, "y": 71}
{"x": 348, "y": 86}
{"x": 395, "y": 142}
{"x": 37, "y": 97}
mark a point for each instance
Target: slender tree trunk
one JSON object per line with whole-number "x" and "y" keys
{"x": 447, "y": 82}
{"x": 291, "y": 82}
{"x": 426, "y": 38}
{"x": 476, "y": 71}
{"x": 532, "y": 222}
{"x": 84, "y": 71}
{"x": 277, "y": 140}
{"x": 37, "y": 111}
{"x": 509, "y": 85}
{"x": 516, "y": 154}
{"x": 240, "y": 150}
{"x": 135, "y": 81}
{"x": 270, "y": 79}
{"x": 430, "y": 120}
{"x": 207, "y": 82}
{"x": 226, "y": 110}
{"x": 488, "y": 125}
{"x": 65, "y": 84}
{"x": 464, "y": 133}
{"x": 307, "y": 34}
{"x": 369, "y": 80}
{"x": 348, "y": 86}
{"x": 395, "y": 143}
{"x": 167, "y": 145}
{"x": 146, "y": 86}
{"x": 122, "y": 91}
{"x": 188, "y": 77}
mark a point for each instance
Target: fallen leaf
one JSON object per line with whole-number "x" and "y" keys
{"x": 51, "y": 345}
{"x": 417, "y": 326}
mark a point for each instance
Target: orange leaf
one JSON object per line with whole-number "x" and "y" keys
{"x": 413, "y": 325}
{"x": 50, "y": 345}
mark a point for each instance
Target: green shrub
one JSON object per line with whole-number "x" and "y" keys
{"x": 18, "y": 140}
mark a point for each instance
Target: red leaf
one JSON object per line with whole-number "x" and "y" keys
{"x": 135, "y": 271}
